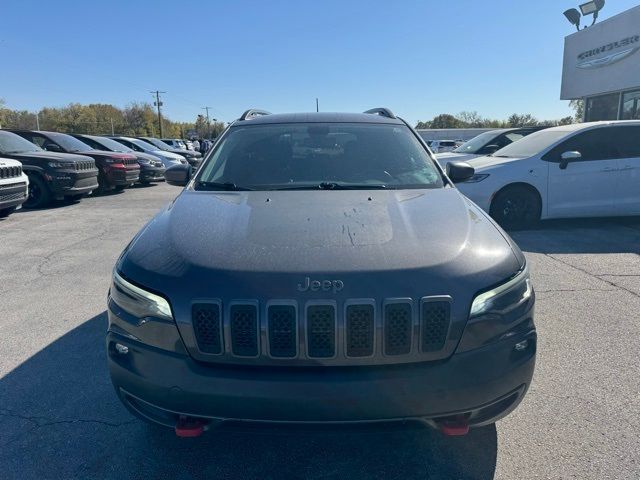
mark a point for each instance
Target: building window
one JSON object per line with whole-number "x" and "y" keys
{"x": 631, "y": 105}
{"x": 602, "y": 107}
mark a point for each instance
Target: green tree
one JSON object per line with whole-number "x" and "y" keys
{"x": 445, "y": 120}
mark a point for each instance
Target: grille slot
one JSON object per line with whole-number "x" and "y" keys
{"x": 10, "y": 172}
{"x": 207, "y": 327}
{"x": 244, "y": 330}
{"x": 360, "y": 330}
{"x": 282, "y": 331}
{"x": 397, "y": 328}
{"x": 435, "y": 325}
{"x": 321, "y": 331}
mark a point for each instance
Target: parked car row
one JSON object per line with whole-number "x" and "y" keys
{"x": 37, "y": 167}
{"x": 581, "y": 170}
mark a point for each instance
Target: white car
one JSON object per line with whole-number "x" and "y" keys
{"x": 14, "y": 186}
{"x": 582, "y": 170}
{"x": 485, "y": 144}
{"x": 440, "y": 146}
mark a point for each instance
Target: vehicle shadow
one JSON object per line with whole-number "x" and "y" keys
{"x": 588, "y": 235}
{"x": 60, "y": 418}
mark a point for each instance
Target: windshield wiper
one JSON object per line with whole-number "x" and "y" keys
{"x": 336, "y": 186}
{"x": 227, "y": 186}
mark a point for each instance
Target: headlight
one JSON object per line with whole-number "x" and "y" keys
{"x": 478, "y": 177}
{"x": 513, "y": 292}
{"x": 499, "y": 313}
{"x": 138, "y": 302}
{"x": 72, "y": 166}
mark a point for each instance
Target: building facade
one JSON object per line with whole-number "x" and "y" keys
{"x": 602, "y": 67}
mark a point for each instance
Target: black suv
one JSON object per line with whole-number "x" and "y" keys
{"x": 52, "y": 175}
{"x": 115, "y": 170}
{"x": 321, "y": 268}
{"x": 151, "y": 169}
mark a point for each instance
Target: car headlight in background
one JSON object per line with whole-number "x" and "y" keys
{"x": 478, "y": 177}
{"x": 137, "y": 301}
{"x": 500, "y": 312}
{"x": 62, "y": 165}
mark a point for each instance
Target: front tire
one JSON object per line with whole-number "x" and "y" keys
{"x": 516, "y": 207}
{"x": 5, "y": 212}
{"x": 39, "y": 194}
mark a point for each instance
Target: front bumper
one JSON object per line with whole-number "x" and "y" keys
{"x": 13, "y": 194}
{"x": 152, "y": 174}
{"x": 123, "y": 177}
{"x": 483, "y": 384}
{"x": 69, "y": 184}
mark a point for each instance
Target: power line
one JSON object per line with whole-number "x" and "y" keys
{"x": 158, "y": 104}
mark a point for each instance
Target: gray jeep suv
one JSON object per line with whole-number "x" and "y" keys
{"x": 321, "y": 268}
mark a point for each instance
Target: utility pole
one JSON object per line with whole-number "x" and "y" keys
{"x": 158, "y": 104}
{"x": 317, "y": 107}
{"x": 112, "y": 131}
{"x": 37, "y": 121}
{"x": 208, "y": 121}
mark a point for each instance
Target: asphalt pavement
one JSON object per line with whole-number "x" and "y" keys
{"x": 60, "y": 418}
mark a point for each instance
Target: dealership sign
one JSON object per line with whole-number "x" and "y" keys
{"x": 613, "y": 52}
{"x": 603, "y": 58}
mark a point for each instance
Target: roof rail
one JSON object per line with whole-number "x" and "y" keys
{"x": 252, "y": 113}
{"x": 385, "y": 112}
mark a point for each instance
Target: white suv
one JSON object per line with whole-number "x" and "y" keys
{"x": 441, "y": 146}
{"x": 582, "y": 170}
{"x": 14, "y": 186}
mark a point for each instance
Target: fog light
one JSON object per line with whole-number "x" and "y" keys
{"x": 519, "y": 347}
{"x": 122, "y": 349}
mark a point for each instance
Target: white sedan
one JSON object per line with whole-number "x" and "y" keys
{"x": 581, "y": 170}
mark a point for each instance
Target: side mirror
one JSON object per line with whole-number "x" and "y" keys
{"x": 489, "y": 149}
{"x": 459, "y": 171}
{"x": 568, "y": 157}
{"x": 52, "y": 147}
{"x": 178, "y": 175}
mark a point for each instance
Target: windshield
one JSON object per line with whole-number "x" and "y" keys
{"x": 158, "y": 143}
{"x": 111, "y": 145}
{"x": 12, "y": 143}
{"x": 320, "y": 155}
{"x": 147, "y": 147}
{"x": 476, "y": 143}
{"x": 531, "y": 144}
{"x": 69, "y": 143}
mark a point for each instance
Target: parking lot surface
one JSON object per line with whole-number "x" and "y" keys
{"x": 60, "y": 418}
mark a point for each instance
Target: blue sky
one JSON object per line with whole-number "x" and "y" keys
{"x": 420, "y": 58}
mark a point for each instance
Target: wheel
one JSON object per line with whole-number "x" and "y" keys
{"x": 516, "y": 207}
{"x": 39, "y": 194}
{"x": 103, "y": 186}
{"x": 120, "y": 188}
{"x": 5, "y": 212}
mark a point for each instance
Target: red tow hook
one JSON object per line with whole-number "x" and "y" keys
{"x": 454, "y": 427}
{"x": 187, "y": 427}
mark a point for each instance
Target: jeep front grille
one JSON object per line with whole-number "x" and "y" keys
{"x": 282, "y": 327}
{"x": 356, "y": 332}
{"x": 10, "y": 172}
{"x": 321, "y": 331}
{"x": 360, "y": 330}
{"x": 397, "y": 328}
{"x": 244, "y": 330}
{"x": 207, "y": 327}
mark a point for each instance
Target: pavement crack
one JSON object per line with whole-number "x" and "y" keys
{"x": 40, "y": 421}
{"x": 592, "y": 275}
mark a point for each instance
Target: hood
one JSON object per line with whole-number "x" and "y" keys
{"x": 108, "y": 154}
{"x": 167, "y": 154}
{"x": 380, "y": 244}
{"x": 146, "y": 157}
{"x": 444, "y": 158}
{"x": 44, "y": 155}
{"x": 489, "y": 161}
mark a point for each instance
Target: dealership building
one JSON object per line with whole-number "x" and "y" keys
{"x": 602, "y": 67}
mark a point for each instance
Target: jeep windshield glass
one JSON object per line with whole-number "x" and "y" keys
{"x": 476, "y": 143}
{"x": 531, "y": 144}
{"x": 12, "y": 143}
{"x": 111, "y": 145}
{"x": 297, "y": 156}
{"x": 158, "y": 143}
{"x": 69, "y": 143}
